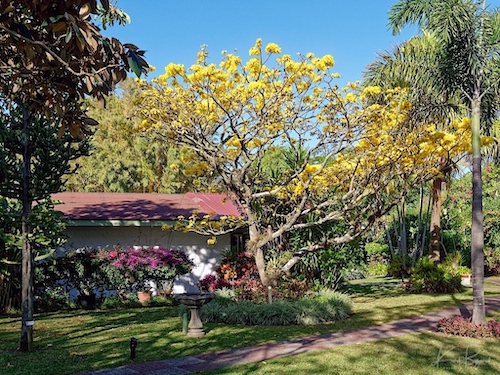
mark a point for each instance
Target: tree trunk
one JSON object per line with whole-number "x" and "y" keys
{"x": 434, "y": 245}
{"x": 26, "y": 343}
{"x": 477, "y": 243}
{"x": 258, "y": 253}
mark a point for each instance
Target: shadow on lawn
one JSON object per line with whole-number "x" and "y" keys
{"x": 100, "y": 339}
{"x": 390, "y": 288}
{"x": 424, "y": 353}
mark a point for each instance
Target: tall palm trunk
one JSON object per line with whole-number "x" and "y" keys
{"x": 477, "y": 243}
{"x": 434, "y": 245}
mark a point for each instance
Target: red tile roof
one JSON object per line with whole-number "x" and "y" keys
{"x": 137, "y": 206}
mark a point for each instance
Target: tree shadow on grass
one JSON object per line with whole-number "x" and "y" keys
{"x": 373, "y": 290}
{"x": 423, "y": 353}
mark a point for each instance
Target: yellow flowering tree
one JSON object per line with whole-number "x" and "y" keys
{"x": 347, "y": 160}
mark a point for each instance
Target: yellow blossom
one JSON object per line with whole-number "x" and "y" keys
{"x": 255, "y": 50}
{"x": 273, "y": 48}
{"x": 171, "y": 70}
{"x": 350, "y": 97}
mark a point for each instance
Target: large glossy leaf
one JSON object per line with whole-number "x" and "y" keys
{"x": 134, "y": 63}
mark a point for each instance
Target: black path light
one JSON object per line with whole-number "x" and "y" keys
{"x": 133, "y": 345}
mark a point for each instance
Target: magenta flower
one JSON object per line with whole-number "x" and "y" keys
{"x": 145, "y": 264}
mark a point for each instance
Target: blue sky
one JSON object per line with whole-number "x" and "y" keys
{"x": 173, "y": 31}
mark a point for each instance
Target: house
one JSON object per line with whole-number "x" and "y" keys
{"x": 102, "y": 220}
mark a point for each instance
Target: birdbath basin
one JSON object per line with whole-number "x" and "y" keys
{"x": 194, "y": 301}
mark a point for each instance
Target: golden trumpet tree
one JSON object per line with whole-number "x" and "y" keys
{"x": 348, "y": 160}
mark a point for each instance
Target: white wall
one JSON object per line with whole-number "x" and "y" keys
{"x": 206, "y": 257}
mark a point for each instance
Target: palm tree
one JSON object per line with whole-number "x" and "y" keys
{"x": 414, "y": 64}
{"x": 467, "y": 57}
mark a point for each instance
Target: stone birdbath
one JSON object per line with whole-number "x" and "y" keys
{"x": 194, "y": 301}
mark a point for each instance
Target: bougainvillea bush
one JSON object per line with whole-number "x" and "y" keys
{"x": 140, "y": 265}
{"x": 460, "y": 326}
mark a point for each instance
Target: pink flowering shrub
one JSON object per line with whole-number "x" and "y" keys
{"x": 141, "y": 265}
{"x": 460, "y": 326}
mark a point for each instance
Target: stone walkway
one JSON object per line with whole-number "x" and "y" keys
{"x": 209, "y": 361}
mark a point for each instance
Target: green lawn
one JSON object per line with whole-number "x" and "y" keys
{"x": 71, "y": 342}
{"x": 416, "y": 354}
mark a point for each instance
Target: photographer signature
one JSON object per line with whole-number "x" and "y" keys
{"x": 470, "y": 359}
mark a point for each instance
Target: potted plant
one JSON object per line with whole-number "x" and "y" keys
{"x": 143, "y": 265}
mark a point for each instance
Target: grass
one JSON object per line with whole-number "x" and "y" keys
{"x": 72, "y": 342}
{"x": 414, "y": 354}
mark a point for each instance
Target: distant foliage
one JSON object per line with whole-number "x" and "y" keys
{"x": 134, "y": 161}
{"x": 377, "y": 269}
{"x": 329, "y": 268}
{"x": 492, "y": 262}
{"x": 457, "y": 213}
{"x": 460, "y": 326}
{"x": 377, "y": 251}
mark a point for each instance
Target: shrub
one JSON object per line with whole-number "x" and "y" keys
{"x": 376, "y": 251}
{"x": 244, "y": 289}
{"x": 53, "y": 298}
{"x": 461, "y": 326}
{"x": 144, "y": 264}
{"x": 326, "y": 306}
{"x": 429, "y": 277}
{"x": 121, "y": 301}
{"x": 354, "y": 273}
{"x": 81, "y": 270}
{"x": 454, "y": 263}
{"x": 398, "y": 265}
{"x": 291, "y": 289}
{"x": 377, "y": 269}
{"x": 238, "y": 266}
{"x": 211, "y": 283}
{"x": 330, "y": 267}
{"x": 492, "y": 262}
{"x": 238, "y": 272}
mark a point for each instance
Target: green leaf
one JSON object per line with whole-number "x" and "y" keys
{"x": 134, "y": 63}
{"x": 69, "y": 34}
{"x": 44, "y": 256}
{"x": 78, "y": 34}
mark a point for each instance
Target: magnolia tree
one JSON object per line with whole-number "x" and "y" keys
{"x": 349, "y": 156}
{"x": 52, "y": 55}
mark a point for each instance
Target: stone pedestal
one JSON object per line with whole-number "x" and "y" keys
{"x": 194, "y": 302}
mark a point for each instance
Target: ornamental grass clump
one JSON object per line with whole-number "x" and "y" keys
{"x": 141, "y": 265}
{"x": 326, "y": 306}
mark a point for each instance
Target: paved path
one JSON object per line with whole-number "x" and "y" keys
{"x": 209, "y": 361}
